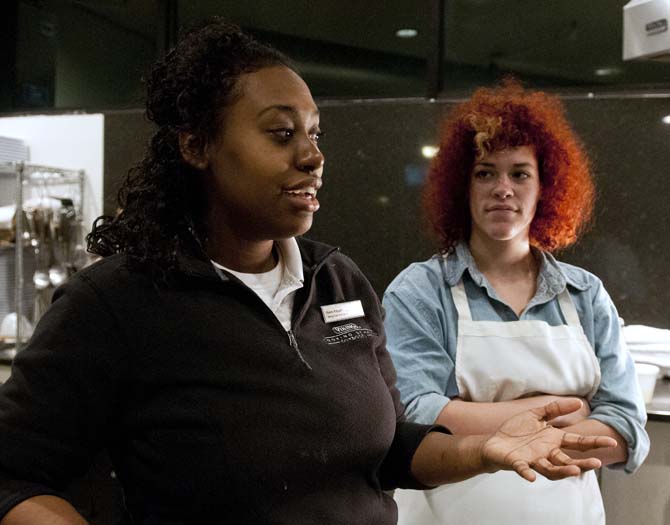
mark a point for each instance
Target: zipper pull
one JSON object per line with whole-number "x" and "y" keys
{"x": 293, "y": 342}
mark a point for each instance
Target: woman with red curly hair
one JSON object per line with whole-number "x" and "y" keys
{"x": 494, "y": 325}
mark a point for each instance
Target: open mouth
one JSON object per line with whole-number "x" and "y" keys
{"x": 305, "y": 193}
{"x": 303, "y": 199}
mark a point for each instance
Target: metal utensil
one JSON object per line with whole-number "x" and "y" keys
{"x": 60, "y": 229}
{"x": 38, "y": 226}
{"x": 38, "y": 221}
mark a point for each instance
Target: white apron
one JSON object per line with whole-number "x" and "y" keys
{"x": 502, "y": 361}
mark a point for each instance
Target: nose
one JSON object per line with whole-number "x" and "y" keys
{"x": 309, "y": 158}
{"x": 503, "y": 187}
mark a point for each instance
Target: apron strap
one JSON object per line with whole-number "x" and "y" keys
{"x": 461, "y": 301}
{"x": 568, "y": 308}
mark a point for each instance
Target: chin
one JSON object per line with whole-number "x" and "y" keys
{"x": 502, "y": 236}
{"x": 295, "y": 229}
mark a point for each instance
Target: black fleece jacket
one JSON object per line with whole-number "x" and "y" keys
{"x": 210, "y": 411}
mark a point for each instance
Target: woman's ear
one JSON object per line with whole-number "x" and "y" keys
{"x": 193, "y": 150}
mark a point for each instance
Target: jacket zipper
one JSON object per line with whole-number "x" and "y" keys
{"x": 293, "y": 342}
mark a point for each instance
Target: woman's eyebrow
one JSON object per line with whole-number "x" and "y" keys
{"x": 285, "y": 109}
{"x": 516, "y": 165}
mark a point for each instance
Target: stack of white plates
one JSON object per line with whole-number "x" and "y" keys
{"x": 648, "y": 344}
{"x": 13, "y": 150}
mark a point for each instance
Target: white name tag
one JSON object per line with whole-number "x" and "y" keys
{"x": 342, "y": 311}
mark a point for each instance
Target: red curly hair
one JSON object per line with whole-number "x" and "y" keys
{"x": 509, "y": 116}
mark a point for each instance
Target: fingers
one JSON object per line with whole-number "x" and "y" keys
{"x": 587, "y": 464}
{"x": 554, "y": 472}
{"x": 558, "y": 465}
{"x": 577, "y": 442}
{"x": 559, "y": 422}
{"x": 558, "y": 458}
{"x": 558, "y": 408}
{"x": 547, "y": 469}
{"x": 523, "y": 469}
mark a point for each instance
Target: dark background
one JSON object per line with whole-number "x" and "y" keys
{"x": 90, "y": 54}
{"x": 374, "y": 170}
{"x": 381, "y": 98}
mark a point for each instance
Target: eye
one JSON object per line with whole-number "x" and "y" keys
{"x": 483, "y": 174}
{"x": 521, "y": 175}
{"x": 282, "y": 134}
{"x": 316, "y": 135}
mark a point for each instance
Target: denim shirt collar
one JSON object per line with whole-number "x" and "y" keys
{"x": 551, "y": 280}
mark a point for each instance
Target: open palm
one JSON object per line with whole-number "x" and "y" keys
{"x": 527, "y": 444}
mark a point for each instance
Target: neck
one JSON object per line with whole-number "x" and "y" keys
{"x": 509, "y": 258}
{"x": 241, "y": 255}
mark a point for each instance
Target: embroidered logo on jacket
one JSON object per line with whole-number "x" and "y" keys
{"x": 348, "y": 332}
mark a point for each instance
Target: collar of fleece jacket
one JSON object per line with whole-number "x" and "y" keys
{"x": 312, "y": 253}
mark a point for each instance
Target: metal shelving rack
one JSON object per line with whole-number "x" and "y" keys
{"x": 30, "y": 175}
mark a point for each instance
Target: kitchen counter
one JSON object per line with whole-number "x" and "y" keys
{"x": 659, "y": 408}
{"x": 643, "y": 497}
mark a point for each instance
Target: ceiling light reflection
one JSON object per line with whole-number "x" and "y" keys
{"x": 607, "y": 71}
{"x": 429, "y": 151}
{"x": 406, "y": 32}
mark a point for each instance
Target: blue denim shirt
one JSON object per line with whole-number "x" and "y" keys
{"x": 421, "y": 325}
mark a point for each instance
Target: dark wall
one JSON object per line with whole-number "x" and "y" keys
{"x": 629, "y": 245}
{"x": 374, "y": 170}
{"x": 372, "y": 183}
{"x": 126, "y": 135}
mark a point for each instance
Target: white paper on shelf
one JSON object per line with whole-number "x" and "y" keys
{"x": 648, "y": 344}
{"x": 642, "y": 334}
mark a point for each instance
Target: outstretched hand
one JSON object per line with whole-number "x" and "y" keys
{"x": 526, "y": 443}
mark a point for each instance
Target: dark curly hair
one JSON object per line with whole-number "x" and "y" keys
{"x": 509, "y": 116}
{"x": 161, "y": 201}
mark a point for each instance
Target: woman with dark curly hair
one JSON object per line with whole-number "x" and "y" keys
{"x": 493, "y": 325}
{"x": 235, "y": 372}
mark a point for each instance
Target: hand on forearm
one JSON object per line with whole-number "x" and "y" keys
{"x": 524, "y": 443}
{"x": 43, "y": 510}
{"x": 574, "y": 417}
{"x": 607, "y": 456}
{"x": 527, "y": 443}
{"x": 470, "y": 417}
